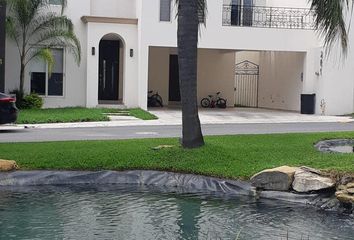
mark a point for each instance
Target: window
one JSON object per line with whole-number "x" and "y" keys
{"x": 45, "y": 84}
{"x": 241, "y": 12}
{"x": 55, "y": 2}
{"x": 165, "y": 10}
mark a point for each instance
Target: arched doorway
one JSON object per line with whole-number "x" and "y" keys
{"x": 110, "y": 73}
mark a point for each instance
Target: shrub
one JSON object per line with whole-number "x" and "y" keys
{"x": 32, "y": 101}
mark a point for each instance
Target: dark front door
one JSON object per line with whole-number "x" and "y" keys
{"x": 108, "y": 70}
{"x": 174, "y": 91}
{"x": 2, "y": 46}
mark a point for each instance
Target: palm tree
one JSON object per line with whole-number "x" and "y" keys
{"x": 35, "y": 30}
{"x": 330, "y": 20}
{"x": 187, "y": 34}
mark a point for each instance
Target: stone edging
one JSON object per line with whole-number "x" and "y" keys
{"x": 326, "y": 145}
{"x": 190, "y": 183}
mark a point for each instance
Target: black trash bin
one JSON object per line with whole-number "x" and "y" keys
{"x": 308, "y": 103}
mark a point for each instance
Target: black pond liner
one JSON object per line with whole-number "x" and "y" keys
{"x": 188, "y": 183}
{"x": 336, "y": 146}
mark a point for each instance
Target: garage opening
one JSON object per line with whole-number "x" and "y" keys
{"x": 248, "y": 79}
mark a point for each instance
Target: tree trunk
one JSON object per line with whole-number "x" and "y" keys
{"x": 188, "y": 30}
{"x": 22, "y": 77}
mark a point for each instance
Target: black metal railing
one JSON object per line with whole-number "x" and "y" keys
{"x": 268, "y": 17}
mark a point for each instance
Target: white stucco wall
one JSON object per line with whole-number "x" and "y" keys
{"x": 113, "y": 8}
{"x": 247, "y": 56}
{"x": 280, "y": 81}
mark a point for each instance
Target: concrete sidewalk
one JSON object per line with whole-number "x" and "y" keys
{"x": 173, "y": 117}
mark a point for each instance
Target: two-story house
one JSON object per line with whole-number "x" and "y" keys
{"x": 258, "y": 53}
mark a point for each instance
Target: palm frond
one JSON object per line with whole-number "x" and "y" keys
{"x": 32, "y": 25}
{"x": 331, "y": 21}
{"x": 44, "y": 54}
{"x": 202, "y": 8}
{"x": 60, "y": 38}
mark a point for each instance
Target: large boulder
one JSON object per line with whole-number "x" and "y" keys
{"x": 276, "y": 179}
{"x": 7, "y": 165}
{"x": 309, "y": 180}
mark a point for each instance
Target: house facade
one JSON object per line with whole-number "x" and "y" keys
{"x": 257, "y": 53}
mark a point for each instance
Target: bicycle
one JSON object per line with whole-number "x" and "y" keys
{"x": 213, "y": 102}
{"x": 154, "y": 100}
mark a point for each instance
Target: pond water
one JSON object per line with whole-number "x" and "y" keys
{"x": 131, "y": 212}
{"x": 342, "y": 149}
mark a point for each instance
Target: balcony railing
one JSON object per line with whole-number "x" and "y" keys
{"x": 268, "y": 17}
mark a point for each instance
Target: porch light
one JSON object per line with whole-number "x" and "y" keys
{"x": 131, "y": 53}
{"x": 93, "y": 51}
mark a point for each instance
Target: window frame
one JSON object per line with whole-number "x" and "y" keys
{"x": 46, "y": 95}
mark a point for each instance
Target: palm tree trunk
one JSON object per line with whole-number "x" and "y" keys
{"x": 22, "y": 77}
{"x": 188, "y": 29}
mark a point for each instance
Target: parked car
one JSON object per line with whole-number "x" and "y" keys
{"x": 8, "y": 109}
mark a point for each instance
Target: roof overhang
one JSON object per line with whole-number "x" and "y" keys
{"x": 95, "y": 19}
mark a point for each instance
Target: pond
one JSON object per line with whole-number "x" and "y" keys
{"x": 336, "y": 146}
{"x": 132, "y": 212}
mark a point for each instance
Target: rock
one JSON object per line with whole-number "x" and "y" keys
{"x": 342, "y": 187}
{"x": 345, "y": 198}
{"x": 341, "y": 192}
{"x": 7, "y": 165}
{"x": 346, "y": 179}
{"x": 350, "y": 191}
{"x": 308, "y": 181}
{"x": 311, "y": 170}
{"x": 277, "y": 179}
{"x": 350, "y": 185}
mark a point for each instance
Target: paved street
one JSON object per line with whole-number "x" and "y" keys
{"x": 130, "y": 132}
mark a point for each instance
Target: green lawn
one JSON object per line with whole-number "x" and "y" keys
{"x": 64, "y": 115}
{"x": 224, "y": 156}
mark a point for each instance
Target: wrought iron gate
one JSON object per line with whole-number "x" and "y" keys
{"x": 246, "y": 84}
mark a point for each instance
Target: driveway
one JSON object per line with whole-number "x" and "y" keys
{"x": 245, "y": 115}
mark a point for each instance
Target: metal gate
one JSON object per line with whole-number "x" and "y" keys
{"x": 246, "y": 84}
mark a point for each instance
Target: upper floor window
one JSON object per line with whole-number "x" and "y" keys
{"x": 241, "y": 12}
{"x": 165, "y": 10}
{"x": 55, "y": 2}
{"x": 46, "y": 84}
